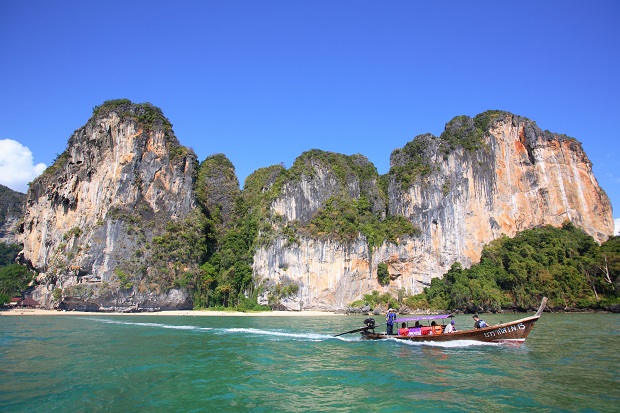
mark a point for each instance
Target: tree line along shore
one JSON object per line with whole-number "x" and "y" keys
{"x": 564, "y": 264}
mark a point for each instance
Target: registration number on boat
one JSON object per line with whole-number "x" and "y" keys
{"x": 505, "y": 330}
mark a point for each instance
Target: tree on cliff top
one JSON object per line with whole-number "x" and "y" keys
{"x": 147, "y": 114}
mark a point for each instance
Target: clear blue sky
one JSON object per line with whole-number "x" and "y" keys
{"x": 262, "y": 81}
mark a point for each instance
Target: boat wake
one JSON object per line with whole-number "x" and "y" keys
{"x": 160, "y": 325}
{"x": 275, "y": 333}
{"x": 223, "y": 331}
{"x": 299, "y": 336}
{"x": 445, "y": 344}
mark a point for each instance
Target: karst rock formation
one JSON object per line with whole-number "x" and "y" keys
{"x": 91, "y": 218}
{"x": 99, "y": 224}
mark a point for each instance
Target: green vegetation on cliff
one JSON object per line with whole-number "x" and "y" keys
{"x": 11, "y": 203}
{"x": 412, "y": 161}
{"x": 217, "y": 190}
{"x": 226, "y": 276}
{"x": 383, "y": 275}
{"x": 417, "y": 159}
{"x": 14, "y": 278}
{"x": 564, "y": 264}
{"x": 8, "y": 252}
{"x": 468, "y": 133}
{"x": 344, "y": 219}
{"x": 210, "y": 252}
{"x": 342, "y": 166}
{"x": 375, "y": 299}
{"x": 177, "y": 252}
{"x": 147, "y": 114}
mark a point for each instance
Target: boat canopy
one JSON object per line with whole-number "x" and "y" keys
{"x": 423, "y": 317}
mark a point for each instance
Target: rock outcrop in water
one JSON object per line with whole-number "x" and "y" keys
{"x": 124, "y": 218}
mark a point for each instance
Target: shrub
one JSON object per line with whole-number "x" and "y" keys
{"x": 14, "y": 279}
{"x": 383, "y": 274}
{"x": 57, "y": 294}
{"x": 123, "y": 279}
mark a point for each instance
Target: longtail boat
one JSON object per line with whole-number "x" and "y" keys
{"x": 513, "y": 333}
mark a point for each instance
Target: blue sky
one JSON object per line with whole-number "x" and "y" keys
{"x": 264, "y": 81}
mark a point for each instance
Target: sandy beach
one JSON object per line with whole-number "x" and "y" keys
{"x": 189, "y": 313}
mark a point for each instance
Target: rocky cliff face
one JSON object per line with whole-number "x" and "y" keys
{"x": 91, "y": 219}
{"x": 327, "y": 269}
{"x": 11, "y": 211}
{"x": 217, "y": 189}
{"x": 491, "y": 175}
{"x": 514, "y": 177}
{"x": 113, "y": 224}
{"x": 317, "y": 176}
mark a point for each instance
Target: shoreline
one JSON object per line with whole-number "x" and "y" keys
{"x": 191, "y": 313}
{"x": 219, "y": 313}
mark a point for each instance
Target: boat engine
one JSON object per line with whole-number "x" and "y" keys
{"x": 370, "y": 324}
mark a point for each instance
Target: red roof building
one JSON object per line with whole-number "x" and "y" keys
{"x": 24, "y": 302}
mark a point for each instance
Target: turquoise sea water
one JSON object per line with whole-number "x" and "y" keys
{"x": 124, "y": 363}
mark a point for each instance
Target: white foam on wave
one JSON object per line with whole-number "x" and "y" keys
{"x": 159, "y": 325}
{"x": 274, "y": 333}
{"x": 445, "y": 344}
{"x": 246, "y": 331}
{"x": 348, "y": 338}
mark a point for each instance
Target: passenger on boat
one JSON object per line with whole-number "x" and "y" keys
{"x": 417, "y": 324}
{"x": 450, "y": 328}
{"x": 389, "y": 318}
{"x": 436, "y": 328}
{"x": 479, "y": 323}
{"x": 403, "y": 330}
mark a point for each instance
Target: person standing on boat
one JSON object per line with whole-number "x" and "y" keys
{"x": 390, "y": 318}
{"x": 479, "y": 323}
{"x": 450, "y": 328}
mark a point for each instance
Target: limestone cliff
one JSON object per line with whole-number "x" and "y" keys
{"x": 96, "y": 220}
{"x": 118, "y": 221}
{"x": 11, "y": 211}
{"x": 302, "y": 247}
{"x": 316, "y": 176}
{"x": 217, "y": 189}
{"x": 494, "y": 174}
{"x": 491, "y": 175}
